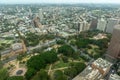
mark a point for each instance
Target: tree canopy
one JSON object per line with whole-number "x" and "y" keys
{"x": 66, "y": 50}
{"x": 16, "y": 78}
{"x": 41, "y": 75}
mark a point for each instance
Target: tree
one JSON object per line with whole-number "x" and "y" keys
{"x": 71, "y": 72}
{"x": 75, "y": 69}
{"x": 30, "y": 72}
{"x": 60, "y": 42}
{"x": 1, "y": 64}
{"x": 49, "y": 56}
{"x": 0, "y": 56}
{"x": 39, "y": 62}
{"x": 36, "y": 62}
{"x": 58, "y": 75}
{"x": 82, "y": 42}
{"x": 65, "y": 59}
{"x": 41, "y": 75}
{"x": 3, "y": 74}
{"x": 20, "y": 56}
{"x": 66, "y": 50}
{"x": 80, "y": 66}
{"x": 16, "y": 78}
{"x": 31, "y": 39}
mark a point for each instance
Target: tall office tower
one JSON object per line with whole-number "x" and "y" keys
{"x": 93, "y": 24}
{"x": 86, "y": 26}
{"x": 113, "y": 51}
{"x": 40, "y": 15}
{"x": 82, "y": 26}
{"x": 110, "y": 24}
{"x": 101, "y": 24}
{"x": 30, "y": 12}
{"x": 36, "y": 22}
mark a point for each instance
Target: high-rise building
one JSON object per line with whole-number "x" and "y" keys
{"x": 83, "y": 26}
{"x": 93, "y": 24}
{"x": 110, "y": 24}
{"x": 36, "y": 22}
{"x": 30, "y": 12}
{"x": 40, "y": 14}
{"x": 101, "y": 24}
{"x": 113, "y": 51}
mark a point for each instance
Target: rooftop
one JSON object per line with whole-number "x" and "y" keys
{"x": 91, "y": 73}
{"x": 117, "y": 27}
{"x": 101, "y": 63}
{"x": 17, "y": 46}
{"x": 114, "y": 77}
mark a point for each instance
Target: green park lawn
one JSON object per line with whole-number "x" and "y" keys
{"x": 60, "y": 64}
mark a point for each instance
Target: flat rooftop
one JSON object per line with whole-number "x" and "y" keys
{"x": 114, "y": 77}
{"x": 91, "y": 73}
{"x": 103, "y": 64}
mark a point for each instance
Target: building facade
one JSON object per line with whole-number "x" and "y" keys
{"x": 114, "y": 47}
{"x": 101, "y": 24}
{"x": 110, "y": 24}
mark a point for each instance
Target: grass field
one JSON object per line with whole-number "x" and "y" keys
{"x": 60, "y": 64}
{"x": 6, "y": 41}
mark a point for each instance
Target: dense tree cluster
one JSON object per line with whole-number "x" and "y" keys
{"x": 47, "y": 37}
{"x": 102, "y": 43}
{"x": 30, "y": 73}
{"x": 66, "y": 50}
{"x": 3, "y": 74}
{"x": 60, "y": 42}
{"x": 59, "y": 75}
{"x": 31, "y": 39}
{"x": 41, "y": 75}
{"x": 82, "y": 42}
{"x": 74, "y": 69}
{"x": 16, "y": 78}
{"x": 39, "y": 62}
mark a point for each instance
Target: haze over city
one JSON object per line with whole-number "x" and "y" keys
{"x": 58, "y": 1}
{"x": 59, "y": 39}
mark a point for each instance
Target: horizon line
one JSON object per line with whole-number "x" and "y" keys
{"x": 61, "y": 3}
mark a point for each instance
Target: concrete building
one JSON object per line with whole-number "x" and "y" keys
{"x": 40, "y": 15}
{"x": 36, "y": 22}
{"x": 94, "y": 75}
{"x": 30, "y": 12}
{"x": 93, "y": 24}
{"x": 15, "y": 49}
{"x": 102, "y": 65}
{"x": 82, "y": 26}
{"x": 101, "y": 24}
{"x": 18, "y": 48}
{"x": 96, "y": 71}
{"x": 110, "y": 24}
{"x": 114, "y": 77}
{"x": 113, "y": 51}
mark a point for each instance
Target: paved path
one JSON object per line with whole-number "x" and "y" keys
{"x": 57, "y": 69}
{"x": 60, "y": 68}
{"x": 49, "y": 69}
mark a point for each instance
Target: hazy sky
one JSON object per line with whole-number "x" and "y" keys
{"x": 59, "y": 1}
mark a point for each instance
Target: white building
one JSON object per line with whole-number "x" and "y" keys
{"x": 101, "y": 24}
{"x": 110, "y": 24}
{"x": 40, "y": 14}
{"x": 83, "y": 26}
{"x": 96, "y": 71}
{"x": 114, "y": 77}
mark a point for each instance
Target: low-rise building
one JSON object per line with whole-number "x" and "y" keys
{"x": 102, "y": 65}
{"x": 114, "y": 77}
{"x": 96, "y": 71}
{"x": 15, "y": 49}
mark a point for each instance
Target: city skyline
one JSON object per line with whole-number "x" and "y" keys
{"x": 58, "y": 1}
